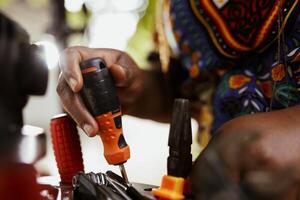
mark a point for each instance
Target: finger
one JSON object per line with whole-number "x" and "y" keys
{"x": 71, "y": 57}
{"x": 69, "y": 65}
{"x": 122, "y": 75}
{"x": 73, "y": 104}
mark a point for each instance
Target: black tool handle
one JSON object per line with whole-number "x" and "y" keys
{"x": 180, "y": 140}
{"x": 99, "y": 91}
{"x": 100, "y": 97}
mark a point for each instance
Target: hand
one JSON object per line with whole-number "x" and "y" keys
{"x": 257, "y": 156}
{"x": 128, "y": 79}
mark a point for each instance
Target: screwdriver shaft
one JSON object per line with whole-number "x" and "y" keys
{"x": 123, "y": 172}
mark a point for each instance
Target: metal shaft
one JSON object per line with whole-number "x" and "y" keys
{"x": 123, "y": 172}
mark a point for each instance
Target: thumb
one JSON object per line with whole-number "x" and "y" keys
{"x": 122, "y": 75}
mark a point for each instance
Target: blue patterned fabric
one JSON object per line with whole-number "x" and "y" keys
{"x": 261, "y": 79}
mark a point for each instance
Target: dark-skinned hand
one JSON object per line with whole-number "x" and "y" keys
{"x": 252, "y": 157}
{"x": 128, "y": 79}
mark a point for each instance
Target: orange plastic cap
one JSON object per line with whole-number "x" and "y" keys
{"x": 171, "y": 188}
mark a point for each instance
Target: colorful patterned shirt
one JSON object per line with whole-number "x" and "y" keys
{"x": 246, "y": 51}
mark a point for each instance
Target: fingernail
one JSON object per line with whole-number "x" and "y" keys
{"x": 88, "y": 129}
{"x": 73, "y": 83}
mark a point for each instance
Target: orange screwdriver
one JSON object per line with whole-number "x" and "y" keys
{"x": 100, "y": 97}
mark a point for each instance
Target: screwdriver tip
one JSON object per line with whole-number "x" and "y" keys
{"x": 123, "y": 172}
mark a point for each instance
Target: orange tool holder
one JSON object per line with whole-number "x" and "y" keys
{"x": 171, "y": 188}
{"x": 100, "y": 98}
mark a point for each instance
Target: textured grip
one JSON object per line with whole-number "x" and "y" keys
{"x": 100, "y": 97}
{"x": 66, "y": 146}
{"x": 116, "y": 150}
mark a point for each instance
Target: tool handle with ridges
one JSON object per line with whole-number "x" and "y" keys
{"x": 99, "y": 95}
{"x": 66, "y": 146}
{"x": 116, "y": 151}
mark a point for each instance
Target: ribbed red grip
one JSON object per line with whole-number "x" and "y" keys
{"x": 66, "y": 146}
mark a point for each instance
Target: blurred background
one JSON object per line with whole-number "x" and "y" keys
{"x": 125, "y": 25}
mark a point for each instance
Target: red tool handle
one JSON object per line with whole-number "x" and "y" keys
{"x": 66, "y": 146}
